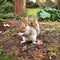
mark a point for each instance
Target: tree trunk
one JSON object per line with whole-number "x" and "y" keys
{"x": 19, "y": 6}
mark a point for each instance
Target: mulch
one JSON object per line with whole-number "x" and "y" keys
{"x": 27, "y": 51}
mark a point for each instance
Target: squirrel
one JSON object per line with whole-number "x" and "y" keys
{"x": 29, "y": 30}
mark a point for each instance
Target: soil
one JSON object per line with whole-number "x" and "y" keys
{"x": 49, "y": 50}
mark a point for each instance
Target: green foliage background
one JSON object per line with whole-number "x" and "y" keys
{"x": 6, "y": 8}
{"x": 48, "y": 13}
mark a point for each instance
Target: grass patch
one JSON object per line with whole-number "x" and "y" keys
{"x": 32, "y": 11}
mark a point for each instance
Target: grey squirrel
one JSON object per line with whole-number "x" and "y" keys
{"x": 30, "y": 30}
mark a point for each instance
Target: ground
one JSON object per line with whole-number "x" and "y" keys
{"x": 11, "y": 49}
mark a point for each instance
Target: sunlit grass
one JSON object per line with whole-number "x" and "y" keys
{"x": 32, "y": 11}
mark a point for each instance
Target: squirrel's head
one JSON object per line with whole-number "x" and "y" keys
{"x": 31, "y": 21}
{"x": 23, "y": 26}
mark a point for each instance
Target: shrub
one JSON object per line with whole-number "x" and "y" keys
{"x": 1, "y": 19}
{"x": 6, "y": 7}
{"x": 49, "y": 14}
{"x": 11, "y": 15}
{"x": 43, "y": 14}
{"x": 8, "y": 15}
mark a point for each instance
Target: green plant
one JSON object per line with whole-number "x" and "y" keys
{"x": 2, "y": 57}
{"x": 0, "y": 50}
{"x": 49, "y": 14}
{"x": 43, "y": 14}
{"x": 1, "y": 19}
{"x": 6, "y": 7}
{"x": 8, "y": 15}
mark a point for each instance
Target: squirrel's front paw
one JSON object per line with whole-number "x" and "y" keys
{"x": 23, "y": 42}
{"x": 34, "y": 42}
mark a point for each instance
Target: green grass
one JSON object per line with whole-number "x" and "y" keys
{"x": 32, "y": 11}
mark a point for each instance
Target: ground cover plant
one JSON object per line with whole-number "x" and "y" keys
{"x": 49, "y": 14}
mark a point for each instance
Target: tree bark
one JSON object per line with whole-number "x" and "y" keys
{"x": 19, "y": 6}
